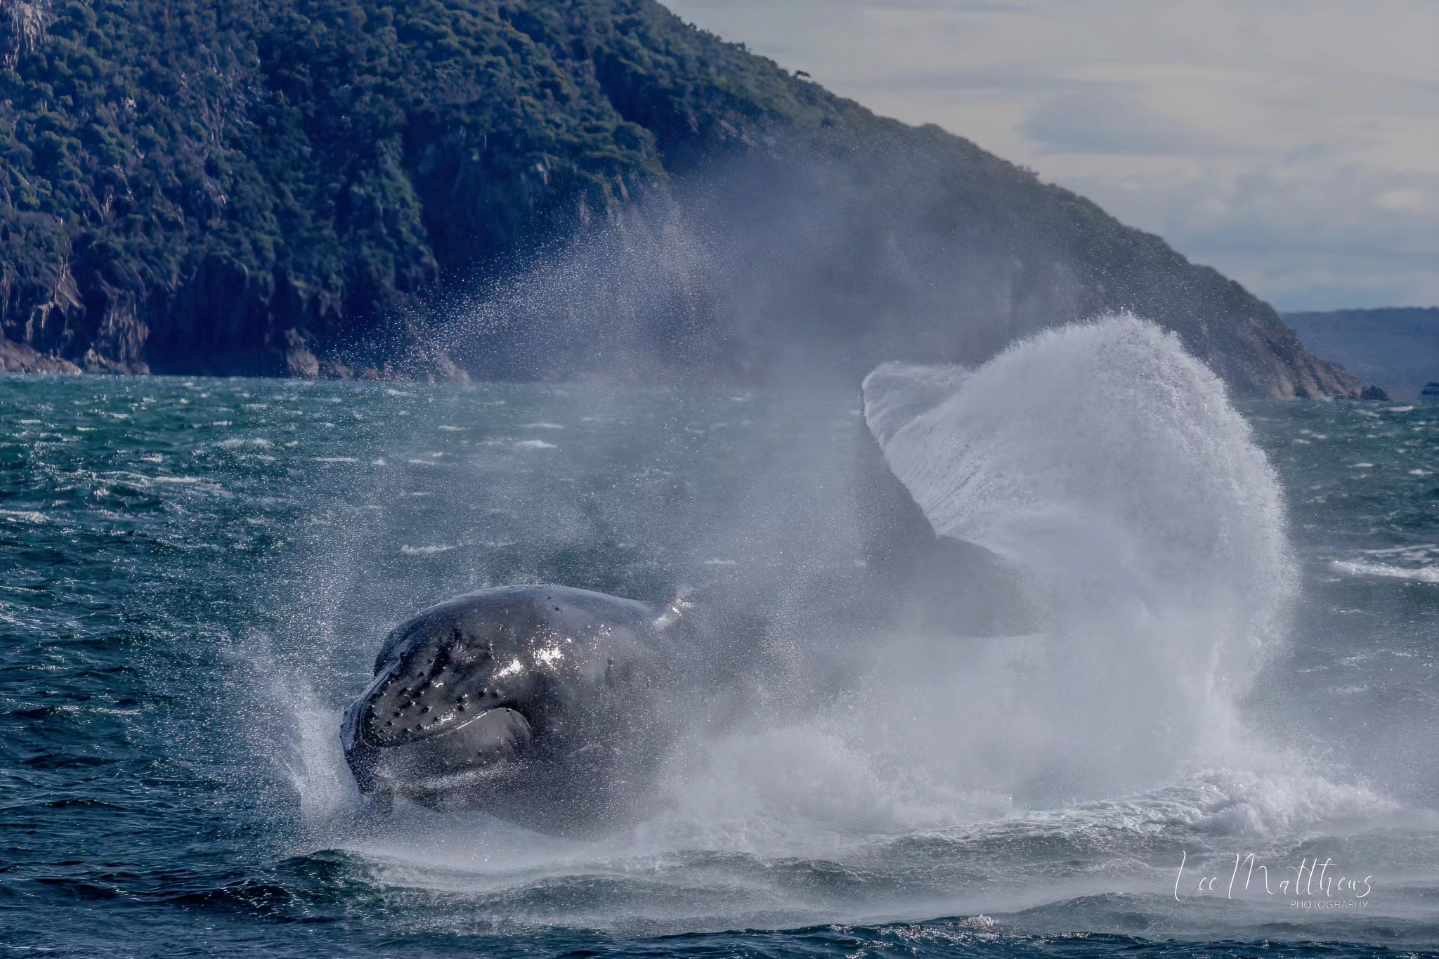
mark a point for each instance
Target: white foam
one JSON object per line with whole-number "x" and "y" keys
{"x": 1422, "y": 574}
{"x": 425, "y": 550}
{"x": 535, "y": 445}
{"x": 23, "y": 516}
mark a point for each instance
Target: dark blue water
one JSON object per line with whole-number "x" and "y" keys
{"x": 197, "y": 573}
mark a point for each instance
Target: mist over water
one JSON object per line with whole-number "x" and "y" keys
{"x": 792, "y": 270}
{"x": 1102, "y": 462}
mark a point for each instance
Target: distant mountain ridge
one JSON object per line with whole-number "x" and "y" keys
{"x": 306, "y": 187}
{"x": 1396, "y": 348}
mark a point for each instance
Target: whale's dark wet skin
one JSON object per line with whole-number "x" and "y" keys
{"x": 536, "y": 704}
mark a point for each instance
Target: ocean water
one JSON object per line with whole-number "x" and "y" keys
{"x": 198, "y": 572}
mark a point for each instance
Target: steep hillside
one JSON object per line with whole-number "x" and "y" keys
{"x": 335, "y": 186}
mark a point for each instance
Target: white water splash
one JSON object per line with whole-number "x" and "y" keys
{"x": 1109, "y": 466}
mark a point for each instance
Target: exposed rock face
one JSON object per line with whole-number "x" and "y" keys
{"x": 22, "y": 28}
{"x": 303, "y": 187}
{"x": 19, "y": 358}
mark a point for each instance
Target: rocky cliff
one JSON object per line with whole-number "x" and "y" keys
{"x": 321, "y": 187}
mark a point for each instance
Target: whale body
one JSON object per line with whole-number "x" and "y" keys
{"x": 551, "y": 706}
{"x": 541, "y": 705}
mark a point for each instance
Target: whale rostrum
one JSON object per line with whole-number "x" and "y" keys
{"x": 538, "y": 704}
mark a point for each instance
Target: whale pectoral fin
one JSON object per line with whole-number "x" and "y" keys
{"x": 968, "y": 589}
{"x": 945, "y": 583}
{"x": 895, "y": 534}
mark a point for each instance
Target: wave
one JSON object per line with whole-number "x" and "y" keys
{"x": 408, "y": 550}
{"x": 23, "y": 516}
{"x": 1422, "y": 574}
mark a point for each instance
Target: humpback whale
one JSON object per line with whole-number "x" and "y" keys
{"x": 549, "y": 706}
{"x": 542, "y": 705}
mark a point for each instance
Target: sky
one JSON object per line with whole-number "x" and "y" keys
{"x": 1291, "y": 144}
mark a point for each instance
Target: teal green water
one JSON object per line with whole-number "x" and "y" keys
{"x": 197, "y": 573}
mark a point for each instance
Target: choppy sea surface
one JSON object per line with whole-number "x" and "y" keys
{"x": 197, "y": 572}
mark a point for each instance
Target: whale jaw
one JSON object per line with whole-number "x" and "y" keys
{"x": 492, "y": 747}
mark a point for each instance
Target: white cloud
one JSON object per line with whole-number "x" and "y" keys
{"x": 1291, "y": 144}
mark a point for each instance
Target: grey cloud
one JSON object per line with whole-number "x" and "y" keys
{"x": 1111, "y": 120}
{"x": 1289, "y": 144}
{"x": 1000, "y": 79}
{"x": 1306, "y": 235}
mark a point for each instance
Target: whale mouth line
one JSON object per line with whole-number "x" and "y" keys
{"x": 445, "y": 725}
{"x": 494, "y": 745}
{"x": 446, "y": 782}
{"x": 489, "y": 715}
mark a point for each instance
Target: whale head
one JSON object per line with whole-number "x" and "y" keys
{"x": 537, "y": 704}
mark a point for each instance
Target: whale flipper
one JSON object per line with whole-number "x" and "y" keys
{"x": 943, "y": 581}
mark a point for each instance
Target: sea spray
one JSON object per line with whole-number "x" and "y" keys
{"x": 1109, "y": 467}
{"x": 136, "y": 615}
{"x": 1121, "y": 708}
